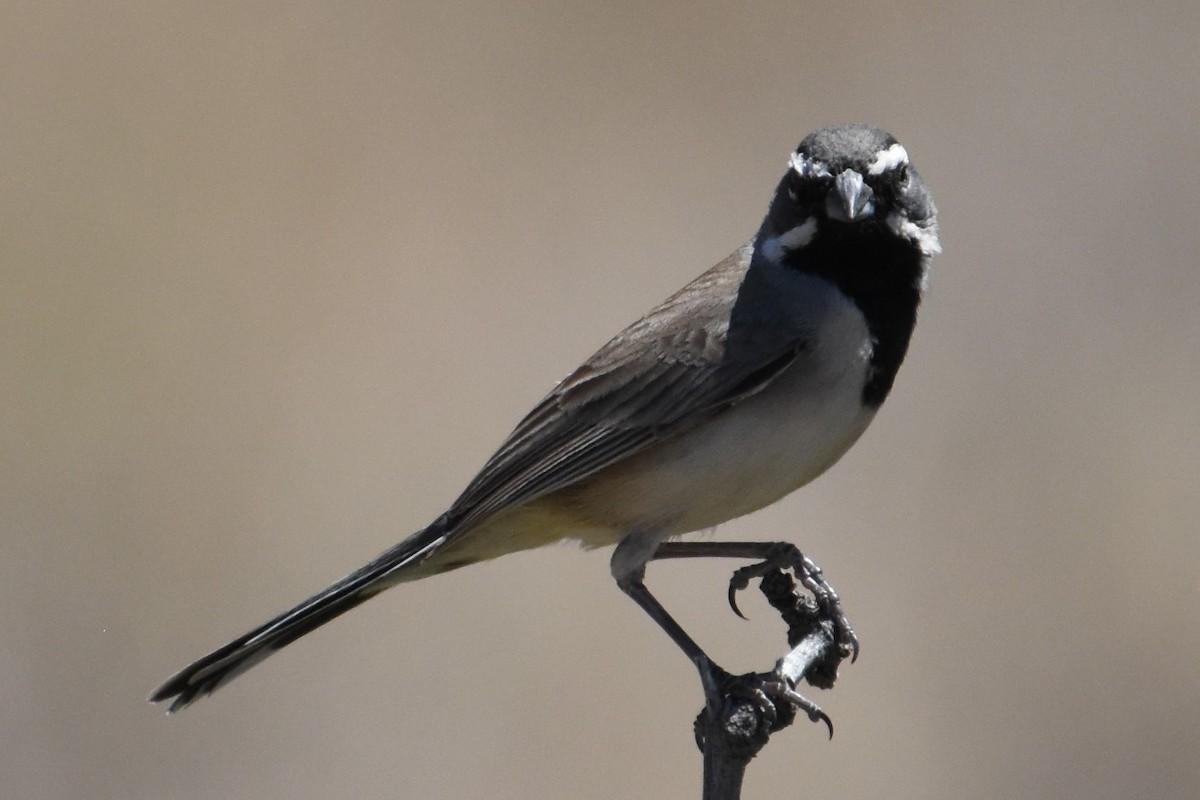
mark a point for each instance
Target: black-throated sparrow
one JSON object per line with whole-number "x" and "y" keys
{"x": 741, "y": 387}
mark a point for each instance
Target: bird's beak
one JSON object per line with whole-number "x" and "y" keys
{"x": 850, "y": 199}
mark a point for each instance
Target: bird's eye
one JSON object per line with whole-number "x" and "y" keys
{"x": 902, "y": 174}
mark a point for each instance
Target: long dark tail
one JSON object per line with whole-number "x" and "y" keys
{"x": 214, "y": 670}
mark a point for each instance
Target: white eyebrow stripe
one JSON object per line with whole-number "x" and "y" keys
{"x": 777, "y": 247}
{"x": 891, "y": 158}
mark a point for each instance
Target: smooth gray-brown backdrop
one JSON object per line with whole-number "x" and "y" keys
{"x": 277, "y": 277}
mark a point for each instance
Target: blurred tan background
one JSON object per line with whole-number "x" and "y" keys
{"x": 276, "y": 278}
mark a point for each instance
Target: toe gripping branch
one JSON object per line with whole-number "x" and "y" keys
{"x": 741, "y": 712}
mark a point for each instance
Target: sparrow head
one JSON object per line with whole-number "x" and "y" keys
{"x": 847, "y": 180}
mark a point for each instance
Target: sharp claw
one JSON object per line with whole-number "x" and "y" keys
{"x": 847, "y": 640}
{"x": 821, "y": 716}
{"x": 733, "y": 590}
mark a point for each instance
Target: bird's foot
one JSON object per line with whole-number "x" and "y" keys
{"x": 783, "y": 556}
{"x": 751, "y": 707}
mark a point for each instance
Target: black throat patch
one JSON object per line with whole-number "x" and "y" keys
{"x": 882, "y": 274}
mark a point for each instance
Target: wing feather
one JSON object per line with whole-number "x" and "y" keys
{"x": 666, "y": 373}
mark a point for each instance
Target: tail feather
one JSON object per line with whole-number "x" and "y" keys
{"x": 214, "y": 670}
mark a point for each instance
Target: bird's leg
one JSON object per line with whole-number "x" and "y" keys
{"x": 771, "y": 556}
{"x": 629, "y": 568}
{"x": 721, "y": 689}
{"x": 634, "y": 586}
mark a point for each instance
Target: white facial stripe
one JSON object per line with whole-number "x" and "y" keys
{"x": 891, "y": 158}
{"x": 805, "y": 167}
{"x": 779, "y": 246}
{"x": 926, "y": 239}
{"x": 800, "y": 235}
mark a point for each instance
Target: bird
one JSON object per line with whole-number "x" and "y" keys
{"x": 741, "y": 387}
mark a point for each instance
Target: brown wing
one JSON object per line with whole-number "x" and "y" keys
{"x": 664, "y": 374}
